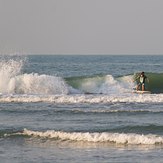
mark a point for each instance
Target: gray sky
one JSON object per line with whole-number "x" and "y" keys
{"x": 81, "y": 26}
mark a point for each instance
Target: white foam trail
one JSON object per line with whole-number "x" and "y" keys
{"x": 118, "y": 138}
{"x": 71, "y": 99}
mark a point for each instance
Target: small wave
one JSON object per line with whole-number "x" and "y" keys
{"x": 118, "y": 138}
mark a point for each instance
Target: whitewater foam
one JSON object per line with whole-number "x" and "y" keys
{"x": 118, "y": 138}
{"x": 71, "y": 99}
{"x": 15, "y": 82}
{"x": 40, "y": 84}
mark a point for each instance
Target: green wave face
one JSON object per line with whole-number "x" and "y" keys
{"x": 86, "y": 84}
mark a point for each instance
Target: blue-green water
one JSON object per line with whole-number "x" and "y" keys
{"x": 80, "y": 109}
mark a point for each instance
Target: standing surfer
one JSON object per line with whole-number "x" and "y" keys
{"x": 141, "y": 81}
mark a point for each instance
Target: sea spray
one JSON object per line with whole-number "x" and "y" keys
{"x": 8, "y": 70}
{"x": 13, "y": 81}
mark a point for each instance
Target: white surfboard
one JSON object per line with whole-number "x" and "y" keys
{"x": 142, "y": 92}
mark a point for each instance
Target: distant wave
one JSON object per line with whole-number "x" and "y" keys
{"x": 114, "y": 111}
{"x": 104, "y": 137}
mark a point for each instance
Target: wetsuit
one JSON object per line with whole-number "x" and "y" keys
{"x": 142, "y": 80}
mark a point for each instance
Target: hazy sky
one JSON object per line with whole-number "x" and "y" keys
{"x": 81, "y": 26}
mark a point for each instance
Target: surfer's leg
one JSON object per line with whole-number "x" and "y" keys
{"x": 138, "y": 87}
{"x": 143, "y": 87}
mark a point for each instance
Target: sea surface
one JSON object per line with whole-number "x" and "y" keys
{"x": 75, "y": 109}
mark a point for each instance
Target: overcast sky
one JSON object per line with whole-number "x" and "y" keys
{"x": 81, "y": 26}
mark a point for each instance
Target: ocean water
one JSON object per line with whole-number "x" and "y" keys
{"x": 79, "y": 109}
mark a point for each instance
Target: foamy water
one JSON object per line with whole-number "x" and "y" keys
{"x": 71, "y": 99}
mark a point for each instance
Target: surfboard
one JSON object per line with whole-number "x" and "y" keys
{"x": 142, "y": 92}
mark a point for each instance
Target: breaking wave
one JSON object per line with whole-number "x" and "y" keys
{"x": 16, "y": 82}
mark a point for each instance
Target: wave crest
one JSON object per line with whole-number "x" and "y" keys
{"x": 118, "y": 138}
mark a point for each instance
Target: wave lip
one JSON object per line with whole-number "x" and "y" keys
{"x": 118, "y": 138}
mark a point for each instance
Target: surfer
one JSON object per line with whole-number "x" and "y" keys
{"x": 141, "y": 81}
